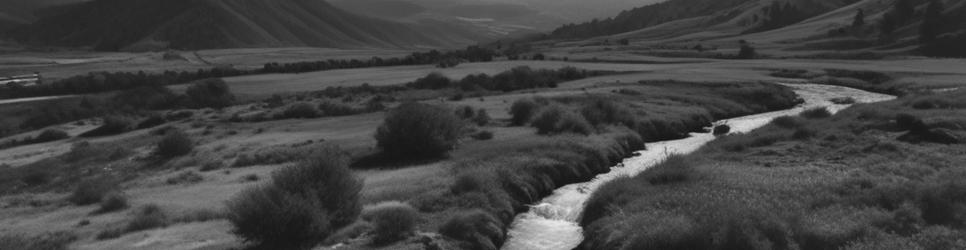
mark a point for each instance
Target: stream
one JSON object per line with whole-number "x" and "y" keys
{"x": 552, "y": 224}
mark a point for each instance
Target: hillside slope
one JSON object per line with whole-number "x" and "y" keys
{"x": 205, "y": 24}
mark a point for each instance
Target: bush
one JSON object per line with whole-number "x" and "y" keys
{"x": 788, "y": 122}
{"x": 722, "y": 129}
{"x": 416, "y": 130}
{"x": 113, "y": 202}
{"x": 152, "y": 121}
{"x": 482, "y": 118}
{"x": 603, "y": 111}
{"x": 574, "y": 123}
{"x": 392, "y": 221}
{"x": 211, "y": 93}
{"x": 91, "y": 191}
{"x": 301, "y": 206}
{"x": 147, "y": 217}
{"x": 523, "y": 110}
{"x": 483, "y": 135}
{"x": 476, "y": 226}
{"x": 212, "y": 165}
{"x": 547, "y": 120}
{"x": 816, "y": 113}
{"x": 50, "y": 135}
{"x": 434, "y": 80}
{"x": 175, "y": 144}
{"x": 112, "y": 125}
{"x": 300, "y": 110}
{"x": 336, "y": 109}
{"x": 909, "y": 122}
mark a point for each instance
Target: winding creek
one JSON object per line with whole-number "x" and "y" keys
{"x": 552, "y": 224}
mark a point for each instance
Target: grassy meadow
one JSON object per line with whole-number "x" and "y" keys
{"x": 874, "y": 176}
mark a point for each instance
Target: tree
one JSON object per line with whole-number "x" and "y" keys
{"x": 931, "y": 23}
{"x": 859, "y": 19}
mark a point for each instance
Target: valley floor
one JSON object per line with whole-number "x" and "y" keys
{"x": 682, "y": 94}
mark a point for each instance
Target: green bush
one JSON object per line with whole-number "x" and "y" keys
{"x": 434, "y": 80}
{"x": 115, "y": 201}
{"x": 112, "y": 125}
{"x": 816, "y": 113}
{"x": 788, "y": 122}
{"x": 548, "y": 119}
{"x": 482, "y": 118}
{"x": 523, "y": 110}
{"x": 416, "y": 131}
{"x": 476, "y": 227}
{"x": 300, "y": 110}
{"x": 175, "y": 144}
{"x": 50, "y": 135}
{"x": 91, "y": 191}
{"x": 211, "y": 93}
{"x": 337, "y": 109}
{"x": 603, "y": 111}
{"x": 483, "y": 135}
{"x": 575, "y": 123}
{"x": 302, "y": 205}
{"x": 147, "y": 217}
{"x": 392, "y": 221}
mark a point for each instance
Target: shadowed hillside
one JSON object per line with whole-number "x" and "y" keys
{"x": 187, "y": 24}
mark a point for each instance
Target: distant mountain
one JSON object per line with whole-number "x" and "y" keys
{"x": 26, "y": 10}
{"x": 206, "y": 24}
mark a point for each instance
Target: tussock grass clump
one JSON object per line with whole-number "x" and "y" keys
{"x": 302, "y": 110}
{"x": 816, "y": 113}
{"x": 92, "y": 191}
{"x": 113, "y": 202}
{"x": 112, "y": 125}
{"x": 174, "y": 144}
{"x": 391, "y": 221}
{"x": 555, "y": 119}
{"x": 674, "y": 169}
{"x": 301, "y": 206}
{"x": 476, "y": 227}
{"x": 416, "y": 131}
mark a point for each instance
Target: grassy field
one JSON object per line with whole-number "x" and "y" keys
{"x": 663, "y": 100}
{"x": 858, "y": 180}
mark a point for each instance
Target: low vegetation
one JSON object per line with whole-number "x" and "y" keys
{"x": 301, "y": 206}
{"x": 391, "y": 221}
{"x": 417, "y": 131}
{"x": 518, "y": 78}
{"x": 855, "y": 182}
{"x": 174, "y": 143}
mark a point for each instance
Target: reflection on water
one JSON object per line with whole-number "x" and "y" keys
{"x": 552, "y": 224}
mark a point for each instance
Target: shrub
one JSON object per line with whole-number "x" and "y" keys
{"x": 336, "y": 109}
{"x": 416, "y": 130}
{"x": 301, "y": 206}
{"x": 187, "y": 177}
{"x": 434, "y": 80}
{"x": 575, "y": 123}
{"x": 392, "y": 221}
{"x": 482, "y": 118}
{"x": 112, "y": 125}
{"x": 816, "y": 113}
{"x": 147, "y": 217}
{"x": 50, "y": 135}
{"x": 674, "y": 169}
{"x": 465, "y": 112}
{"x": 113, "y": 202}
{"x": 523, "y": 110}
{"x": 788, "y": 122}
{"x": 910, "y": 123}
{"x": 722, "y": 129}
{"x": 483, "y": 135}
{"x": 603, "y": 111}
{"x": 300, "y": 110}
{"x": 175, "y": 144}
{"x": 152, "y": 121}
{"x": 91, "y": 191}
{"x": 211, "y": 93}
{"x": 547, "y": 121}
{"x": 476, "y": 226}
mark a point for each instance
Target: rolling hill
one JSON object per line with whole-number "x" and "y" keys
{"x": 205, "y": 24}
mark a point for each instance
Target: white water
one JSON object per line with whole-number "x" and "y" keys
{"x": 552, "y": 224}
